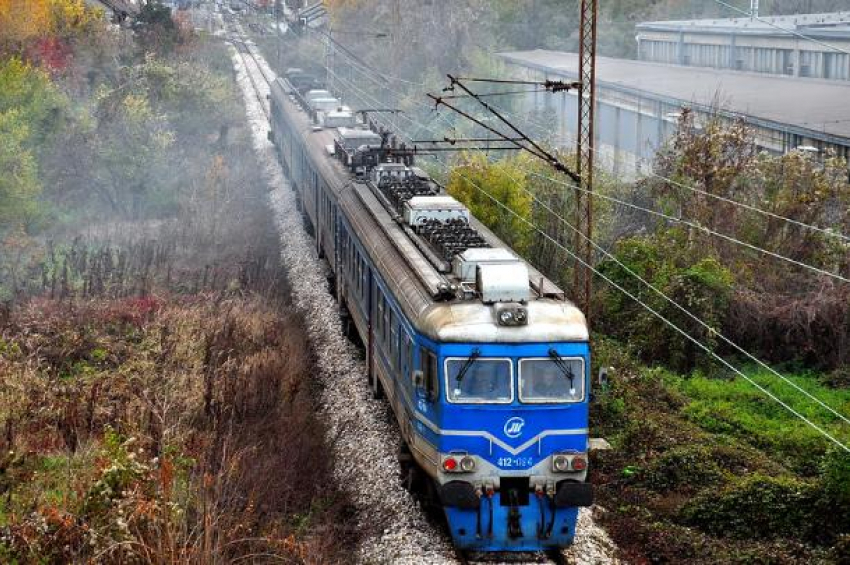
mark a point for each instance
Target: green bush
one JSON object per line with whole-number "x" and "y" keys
{"x": 835, "y": 496}
{"x": 756, "y": 507}
{"x": 686, "y": 467}
{"x": 667, "y": 261}
{"x": 737, "y": 409}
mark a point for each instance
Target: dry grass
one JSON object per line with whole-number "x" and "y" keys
{"x": 162, "y": 430}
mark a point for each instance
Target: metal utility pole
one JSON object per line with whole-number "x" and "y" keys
{"x": 583, "y": 275}
{"x": 278, "y": 7}
{"x": 329, "y": 60}
{"x": 395, "y": 59}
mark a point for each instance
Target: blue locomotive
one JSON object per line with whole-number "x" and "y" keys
{"x": 484, "y": 362}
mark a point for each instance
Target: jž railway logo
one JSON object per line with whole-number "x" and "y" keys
{"x": 513, "y": 427}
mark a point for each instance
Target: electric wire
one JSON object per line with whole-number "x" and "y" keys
{"x": 661, "y": 294}
{"x": 828, "y": 232}
{"x": 668, "y": 217}
{"x": 690, "y": 224}
{"x": 825, "y": 231}
{"x": 684, "y": 310}
{"x": 785, "y": 30}
{"x": 545, "y": 131}
{"x": 664, "y": 319}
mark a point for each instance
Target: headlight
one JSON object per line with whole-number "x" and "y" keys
{"x": 560, "y": 463}
{"x": 459, "y": 464}
{"x": 467, "y": 464}
{"x": 511, "y": 315}
{"x": 566, "y": 462}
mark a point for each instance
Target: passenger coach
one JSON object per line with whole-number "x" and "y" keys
{"x": 484, "y": 362}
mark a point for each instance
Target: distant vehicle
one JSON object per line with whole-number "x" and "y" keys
{"x": 484, "y": 362}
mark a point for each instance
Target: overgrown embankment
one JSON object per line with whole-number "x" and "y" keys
{"x": 707, "y": 467}
{"x": 155, "y": 395}
{"x": 161, "y": 429}
{"x": 708, "y": 470}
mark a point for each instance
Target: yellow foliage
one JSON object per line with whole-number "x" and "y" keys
{"x": 23, "y": 20}
{"x": 496, "y": 193}
{"x": 337, "y": 5}
{"x": 337, "y": 8}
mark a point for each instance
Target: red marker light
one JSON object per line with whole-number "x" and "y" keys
{"x": 450, "y": 464}
{"x": 579, "y": 463}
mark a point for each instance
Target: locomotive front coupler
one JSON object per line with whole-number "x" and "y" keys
{"x": 514, "y": 515}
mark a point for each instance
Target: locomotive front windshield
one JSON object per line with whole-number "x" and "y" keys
{"x": 474, "y": 380}
{"x": 551, "y": 380}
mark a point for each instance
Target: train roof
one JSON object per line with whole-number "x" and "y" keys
{"x": 406, "y": 267}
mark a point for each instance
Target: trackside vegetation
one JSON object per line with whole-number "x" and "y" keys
{"x": 153, "y": 400}
{"x": 706, "y": 468}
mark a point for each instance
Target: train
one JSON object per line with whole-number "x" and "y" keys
{"x": 483, "y": 360}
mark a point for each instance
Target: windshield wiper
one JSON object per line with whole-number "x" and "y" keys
{"x": 476, "y": 353}
{"x": 565, "y": 369}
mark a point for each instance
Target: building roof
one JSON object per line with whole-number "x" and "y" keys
{"x": 125, "y": 6}
{"x": 819, "y": 107}
{"x": 831, "y": 24}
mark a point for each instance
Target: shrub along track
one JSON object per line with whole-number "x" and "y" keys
{"x": 364, "y": 442}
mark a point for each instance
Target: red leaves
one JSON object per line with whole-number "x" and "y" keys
{"x": 52, "y": 53}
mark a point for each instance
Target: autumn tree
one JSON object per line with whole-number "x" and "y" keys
{"x": 19, "y": 184}
{"x": 720, "y": 161}
{"x": 31, "y": 110}
{"x": 783, "y": 311}
{"x": 26, "y": 24}
{"x": 475, "y": 177}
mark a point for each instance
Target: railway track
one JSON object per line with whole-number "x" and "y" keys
{"x": 240, "y": 43}
{"x": 412, "y": 538}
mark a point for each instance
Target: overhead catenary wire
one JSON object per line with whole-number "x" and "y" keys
{"x": 363, "y": 63}
{"x": 678, "y": 306}
{"x": 824, "y": 231}
{"x": 552, "y": 160}
{"x": 491, "y": 94}
{"x": 668, "y": 299}
{"x": 540, "y": 151}
{"x": 667, "y": 321}
{"x": 693, "y": 225}
{"x": 767, "y": 213}
{"x": 785, "y": 30}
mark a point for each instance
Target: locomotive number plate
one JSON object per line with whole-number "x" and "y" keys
{"x": 515, "y": 462}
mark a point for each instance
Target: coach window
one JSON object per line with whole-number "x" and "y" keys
{"x": 359, "y": 274}
{"x": 387, "y": 324}
{"x": 394, "y": 338}
{"x": 380, "y": 315}
{"x": 407, "y": 354}
{"x": 364, "y": 273}
{"x": 431, "y": 380}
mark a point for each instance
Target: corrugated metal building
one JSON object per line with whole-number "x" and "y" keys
{"x": 638, "y": 105}
{"x": 764, "y": 45}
